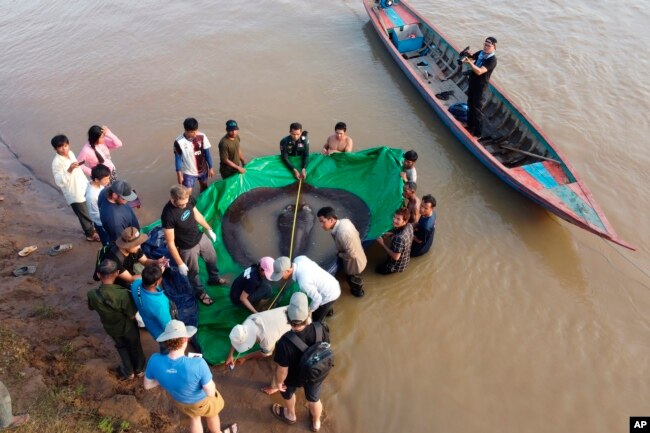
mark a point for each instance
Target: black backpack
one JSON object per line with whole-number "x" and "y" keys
{"x": 100, "y": 256}
{"x": 317, "y": 360}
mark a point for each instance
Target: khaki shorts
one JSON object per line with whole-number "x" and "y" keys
{"x": 208, "y": 407}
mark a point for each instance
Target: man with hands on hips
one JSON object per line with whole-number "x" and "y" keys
{"x": 180, "y": 220}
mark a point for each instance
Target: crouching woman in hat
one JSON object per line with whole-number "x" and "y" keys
{"x": 187, "y": 380}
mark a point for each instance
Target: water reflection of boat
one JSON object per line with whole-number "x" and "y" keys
{"x": 512, "y": 146}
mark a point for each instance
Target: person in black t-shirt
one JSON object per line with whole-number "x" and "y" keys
{"x": 482, "y": 63}
{"x": 180, "y": 220}
{"x": 287, "y": 357}
{"x": 253, "y": 285}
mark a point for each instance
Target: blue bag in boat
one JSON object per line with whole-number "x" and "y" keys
{"x": 459, "y": 111}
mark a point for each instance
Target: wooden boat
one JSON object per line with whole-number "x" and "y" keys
{"x": 512, "y": 145}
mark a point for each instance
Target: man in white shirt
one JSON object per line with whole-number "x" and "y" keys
{"x": 73, "y": 183}
{"x": 321, "y": 288}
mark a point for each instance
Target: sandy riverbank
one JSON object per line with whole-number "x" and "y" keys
{"x": 57, "y": 360}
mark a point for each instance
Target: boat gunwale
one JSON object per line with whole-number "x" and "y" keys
{"x": 505, "y": 173}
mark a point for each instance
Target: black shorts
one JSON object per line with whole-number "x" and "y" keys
{"x": 312, "y": 391}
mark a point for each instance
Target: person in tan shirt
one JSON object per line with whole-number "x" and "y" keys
{"x": 348, "y": 244}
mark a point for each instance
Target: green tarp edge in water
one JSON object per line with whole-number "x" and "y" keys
{"x": 371, "y": 174}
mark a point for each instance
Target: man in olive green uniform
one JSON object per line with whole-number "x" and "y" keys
{"x": 117, "y": 310}
{"x": 232, "y": 160}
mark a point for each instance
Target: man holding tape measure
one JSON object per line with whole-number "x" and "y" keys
{"x": 321, "y": 287}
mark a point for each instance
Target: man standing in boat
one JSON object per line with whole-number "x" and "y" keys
{"x": 295, "y": 144}
{"x": 482, "y": 63}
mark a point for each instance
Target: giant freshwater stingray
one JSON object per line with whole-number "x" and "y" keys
{"x": 272, "y": 210}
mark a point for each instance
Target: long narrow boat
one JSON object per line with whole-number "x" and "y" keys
{"x": 512, "y": 145}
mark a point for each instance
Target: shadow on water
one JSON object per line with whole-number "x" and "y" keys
{"x": 541, "y": 232}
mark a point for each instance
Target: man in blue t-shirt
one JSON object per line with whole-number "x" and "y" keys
{"x": 187, "y": 380}
{"x": 425, "y": 228}
{"x": 151, "y": 301}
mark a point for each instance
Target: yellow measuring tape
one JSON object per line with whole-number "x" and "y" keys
{"x": 293, "y": 232}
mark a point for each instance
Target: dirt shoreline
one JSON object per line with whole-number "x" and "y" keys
{"x": 57, "y": 361}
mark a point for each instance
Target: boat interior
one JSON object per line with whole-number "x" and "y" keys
{"x": 506, "y": 135}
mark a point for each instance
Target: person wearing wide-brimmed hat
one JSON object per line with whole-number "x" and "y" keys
{"x": 126, "y": 252}
{"x": 187, "y": 380}
{"x": 264, "y": 328}
{"x": 117, "y": 312}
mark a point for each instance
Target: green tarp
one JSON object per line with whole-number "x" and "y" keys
{"x": 372, "y": 174}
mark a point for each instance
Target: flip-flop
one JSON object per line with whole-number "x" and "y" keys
{"x": 24, "y": 270}
{"x": 59, "y": 249}
{"x": 206, "y": 299}
{"x": 27, "y": 250}
{"x": 279, "y": 414}
{"x": 232, "y": 428}
{"x": 219, "y": 282}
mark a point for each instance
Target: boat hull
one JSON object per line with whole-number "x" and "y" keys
{"x": 549, "y": 181}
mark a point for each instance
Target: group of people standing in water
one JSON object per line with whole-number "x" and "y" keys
{"x": 104, "y": 205}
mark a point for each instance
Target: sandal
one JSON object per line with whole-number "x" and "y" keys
{"x": 206, "y": 299}
{"x": 24, "y": 270}
{"x": 279, "y": 412}
{"x": 27, "y": 250}
{"x": 218, "y": 282}
{"x": 59, "y": 249}
{"x": 232, "y": 428}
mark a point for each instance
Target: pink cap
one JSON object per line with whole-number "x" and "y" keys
{"x": 266, "y": 263}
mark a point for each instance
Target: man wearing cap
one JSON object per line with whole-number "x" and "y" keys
{"x": 348, "y": 244}
{"x": 192, "y": 156}
{"x": 126, "y": 252}
{"x": 117, "y": 312}
{"x": 287, "y": 357}
{"x": 482, "y": 63}
{"x": 253, "y": 285}
{"x": 187, "y": 380}
{"x": 180, "y": 220}
{"x": 232, "y": 160}
{"x": 114, "y": 212}
{"x": 295, "y": 144}
{"x": 153, "y": 304}
{"x": 321, "y": 287}
{"x": 264, "y": 328}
